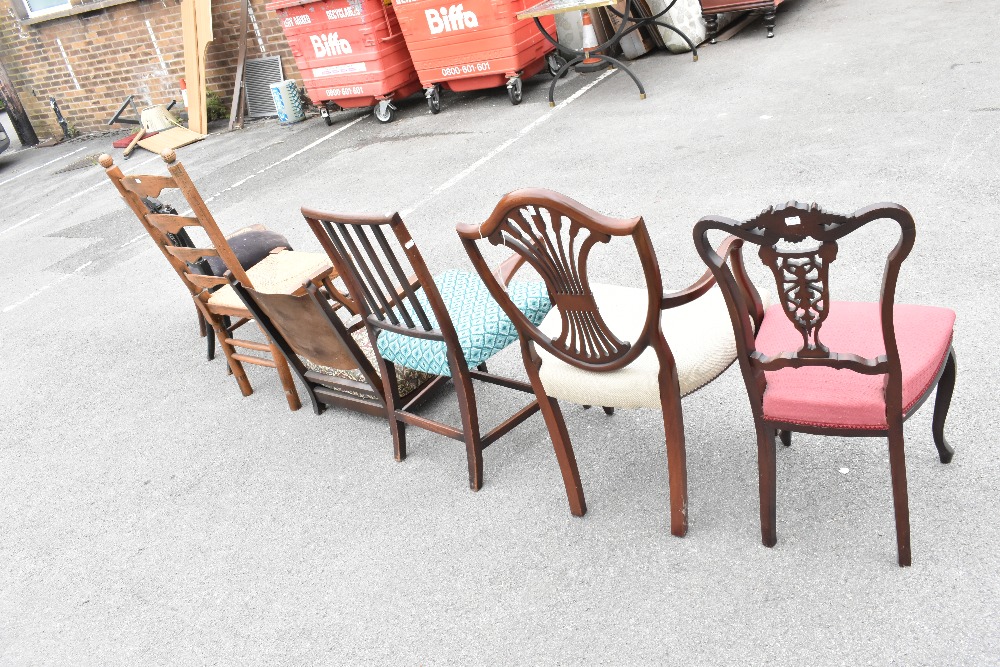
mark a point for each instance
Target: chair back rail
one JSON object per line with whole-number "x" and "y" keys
{"x": 801, "y": 275}
{"x": 555, "y": 235}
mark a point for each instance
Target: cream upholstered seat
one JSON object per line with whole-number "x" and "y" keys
{"x": 700, "y": 336}
{"x": 281, "y": 273}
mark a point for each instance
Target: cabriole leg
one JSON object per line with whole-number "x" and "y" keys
{"x": 945, "y": 388}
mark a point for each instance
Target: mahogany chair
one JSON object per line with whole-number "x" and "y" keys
{"x": 606, "y": 344}
{"x": 282, "y": 272}
{"x": 875, "y": 365}
{"x": 444, "y": 325}
{"x": 335, "y": 362}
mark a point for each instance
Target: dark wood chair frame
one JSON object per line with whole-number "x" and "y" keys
{"x": 165, "y": 230}
{"x": 309, "y": 324}
{"x": 560, "y": 256}
{"x": 803, "y": 294}
{"x": 387, "y": 301}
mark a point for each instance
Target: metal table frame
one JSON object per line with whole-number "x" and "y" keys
{"x": 629, "y": 23}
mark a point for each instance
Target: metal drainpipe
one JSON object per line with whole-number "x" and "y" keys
{"x": 59, "y": 117}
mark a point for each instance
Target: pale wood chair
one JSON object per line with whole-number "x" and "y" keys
{"x": 282, "y": 272}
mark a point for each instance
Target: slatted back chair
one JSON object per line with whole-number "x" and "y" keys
{"x": 282, "y": 272}
{"x": 333, "y": 360}
{"x": 446, "y": 326}
{"x": 605, "y": 344}
{"x": 828, "y": 367}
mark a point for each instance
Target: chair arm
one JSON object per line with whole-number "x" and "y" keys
{"x": 509, "y": 267}
{"x": 707, "y": 281}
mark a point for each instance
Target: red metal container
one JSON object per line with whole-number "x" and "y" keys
{"x": 474, "y": 44}
{"x": 351, "y": 53}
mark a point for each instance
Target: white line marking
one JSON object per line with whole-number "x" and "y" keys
{"x": 284, "y": 159}
{"x": 505, "y": 145}
{"x": 31, "y": 296}
{"x": 42, "y": 289}
{"x": 41, "y": 166}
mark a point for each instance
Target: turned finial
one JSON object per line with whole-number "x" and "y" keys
{"x": 169, "y": 156}
{"x": 105, "y": 161}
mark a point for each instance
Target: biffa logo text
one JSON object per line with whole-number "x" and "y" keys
{"x": 329, "y": 45}
{"x": 450, "y": 19}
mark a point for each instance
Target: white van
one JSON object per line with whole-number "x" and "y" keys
{"x": 4, "y": 141}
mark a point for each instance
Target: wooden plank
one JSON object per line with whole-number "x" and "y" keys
{"x": 175, "y": 137}
{"x": 737, "y": 26}
{"x": 549, "y": 7}
{"x": 239, "y": 100}
{"x": 196, "y": 24}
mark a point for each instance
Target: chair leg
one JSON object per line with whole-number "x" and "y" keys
{"x": 235, "y": 366}
{"x": 390, "y": 388}
{"x": 285, "y": 375}
{"x": 769, "y": 21}
{"x": 945, "y": 388}
{"x": 557, "y": 432}
{"x": 470, "y": 424}
{"x": 767, "y": 480}
{"x": 897, "y": 466}
{"x": 210, "y": 338}
{"x": 786, "y": 437}
{"x": 673, "y": 428}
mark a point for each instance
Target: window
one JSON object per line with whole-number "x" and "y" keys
{"x": 40, "y": 7}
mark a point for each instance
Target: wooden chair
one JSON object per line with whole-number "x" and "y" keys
{"x": 606, "y": 344}
{"x": 334, "y": 361}
{"x": 282, "y": 272}
{"x": 445, "y": 325}
{"x": 876, "y": 362}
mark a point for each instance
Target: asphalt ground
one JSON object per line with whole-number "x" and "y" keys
{"x": 150, "y": 514}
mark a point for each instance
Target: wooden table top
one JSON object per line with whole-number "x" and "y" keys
{"x": 548, "y": 7}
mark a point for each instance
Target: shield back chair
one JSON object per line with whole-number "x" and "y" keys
{"x": 446, "y": 325}
{"x": 606, "y": 344}
{"x": 334, "y": 361}
{"x": 875, "y": 364}
{"x": 284, "y": 271}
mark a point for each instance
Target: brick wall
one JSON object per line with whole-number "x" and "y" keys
{"x": 109, "y": 54}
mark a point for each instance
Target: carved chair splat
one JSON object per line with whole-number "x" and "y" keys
{"x": 800, "y": 370}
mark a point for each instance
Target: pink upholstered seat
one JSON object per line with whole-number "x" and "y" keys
{"x": 832, "y": 398}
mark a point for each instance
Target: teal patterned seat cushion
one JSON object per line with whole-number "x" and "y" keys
{"x": 482, "y": 326}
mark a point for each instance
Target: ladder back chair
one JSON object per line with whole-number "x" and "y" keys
{"x": 334, "y": 361}
{"x": 446, "y": 325}
{"x": 284, "y": 271}
{"x": 874, "y": 365}
{"x": 606, "y": 344}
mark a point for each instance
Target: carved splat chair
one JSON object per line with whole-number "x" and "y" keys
{"x": 606, "y": 344}
{"x": 830, "y": 367}
{"x": 444, "y": 325}
{"x": 282, "y": 272}
{"x": 336, "y": 363}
